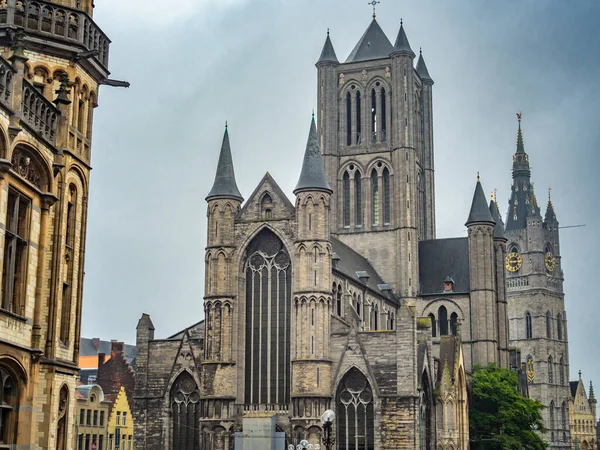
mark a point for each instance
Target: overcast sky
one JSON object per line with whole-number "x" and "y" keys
{"x": 195, "y": 65}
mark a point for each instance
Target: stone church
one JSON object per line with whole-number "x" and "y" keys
{"x": 343, "y": 299}
{"x": 53, "y": 59}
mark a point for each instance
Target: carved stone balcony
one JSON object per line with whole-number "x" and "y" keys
{"x": 38, "y": 113}
{"x": 56, "y": 23}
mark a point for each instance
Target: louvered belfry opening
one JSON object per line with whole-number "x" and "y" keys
{"x": 268, "y": 273}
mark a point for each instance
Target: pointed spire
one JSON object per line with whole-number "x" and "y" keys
{"x": 495, "y": 212}
{"x": 422, "y": 68}
{"x": 328, "y": 53}
{"x": 312, "y": 176}
{"x": 520, "y": 158}
{"x": 225, "y": 185}
{"x": 479, "y": 208}
{"x": 592, "y": 397}
{"x": 402, "y": 45}
{"x": 520, "y": 145}
{"x": 550, "y": 214}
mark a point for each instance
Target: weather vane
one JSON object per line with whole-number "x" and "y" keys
{"x": 373, "y": 4}
{"x": 519, "y": 115}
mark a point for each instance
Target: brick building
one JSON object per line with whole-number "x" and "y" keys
{"x": 343, "y": 300}
{"x": 53, "y": 57}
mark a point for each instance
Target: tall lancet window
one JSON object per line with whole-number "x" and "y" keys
{"x": 387, "y": 212}
{"x": 358, "y": 118}
{"x": 346, "y": 199}
{"x": 268, "y": 273}
{"x": 375, "y": 197}
{"x": 355, "y": 422}
{"x": 358, "y": 195}
{"x": 185, "y": 413}
{"x": 348, "y": 119}
{"x": 383, "y": 114}
{"x": 373, "y": 116}
{"x": 528, "y": 326}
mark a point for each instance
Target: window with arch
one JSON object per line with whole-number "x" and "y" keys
{"x": 550, "y": 370}
{"x": 355, "y": 412}
{"x": 453, "y": 323}
{"x": 433, "y": 325}
{"x": 551, "y": 413}
{"x": 528, "y": 326}
{"x": 67, "y": 292}
{"x": 392, "y": 324}
{"x": 373, "y": 116}
{"x": 16, "y": 242}
{"x": 548, "y": 325}
{"x": 358, "y": 119}
{"x": 443, "y": 320}
{"x": 63, "y": 419}
{"x": 375, "y": 317}
{"x": 358, "y": 199}
{"x": 358, "y": 305}
{"x": 425, "y": 414}
{"x": 266, "y": 207}
{"x": 383, "y": 116}
{"x": 374, "y": 197}
{"x": 9, "y": 403}
{"x": 268, "y": 283}
{"x": 348, "y": 119}
{"x": 185, "y": 412}
{"x": 387, "y": 207}
{"x": 559, "y": 327}
{"x": 563, "y": 415}
{"x": 338, "y": 301}
{"x": 346, "y": 187}
{"x": 561, "y": 369}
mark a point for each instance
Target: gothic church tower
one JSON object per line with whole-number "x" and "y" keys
{"x": 536, "y": 309}
{"x": 375, "y": 132}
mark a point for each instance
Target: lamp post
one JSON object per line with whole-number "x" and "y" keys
{"x": 327, "y": 420}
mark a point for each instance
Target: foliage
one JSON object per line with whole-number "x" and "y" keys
{"x": 499, "y": 417}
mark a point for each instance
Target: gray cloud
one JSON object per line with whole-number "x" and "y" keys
{"x": 252, "y": 63}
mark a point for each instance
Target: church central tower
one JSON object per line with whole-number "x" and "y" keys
{"x": 375, "y": 133}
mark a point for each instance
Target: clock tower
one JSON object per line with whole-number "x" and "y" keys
{"x": 536, "y": 309}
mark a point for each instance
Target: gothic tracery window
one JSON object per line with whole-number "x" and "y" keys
{"x": 355, "y": 416}
{"x": 268, "y": 300}
{"x": 185, "y": 412}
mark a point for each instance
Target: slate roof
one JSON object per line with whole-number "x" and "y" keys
{"x": 479, "y": 207}
{"x": 573, "y": 385}
{"x": 87, "y": 348}
{"x": 196, "y": 332}
{"x": 441, "y": 258}
{"x": 352, "y": 264}
{"x": 225, "y": 184}
{"x": 499, "y": 227}
{"x": 328, "y": 52}
{"x": 312, "y": 175}
{"x": 550, "y": 214}
{"x": 373, "y": 44}
{"x": 402, "y": 44}
{"x": 422, "y": 69}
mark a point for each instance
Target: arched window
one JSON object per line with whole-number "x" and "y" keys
{"x": 358, "y": 195}
{"x": 266, "y": 206}
{"x": 63, "y": 418}
{"x": 268, "y": 298}
{"x": 561, "y": 368}
{"x": 453, "y": 323}
{"x": 355, "y": 416}
{"x": 383, "y": 116}
{"x": 528, "y": 327}
{"x": 433, "y": 326}
{"x": 386, "y": 197}
{"x": 425, "y": 405}
{"x": 358, "y": 306}
{"x": 551, "y": 412}
{"x": 563, "y": 415}
{"x": 66, "y": 308}
{"x": 348, "y": 119}
{"x": 375, "y": 317}
{"x": 550, "y": 370}
{"x": 373, "y": 116}
{"x": 548, "y": 325}
{"x": 358, "y": 117}
{"x": 374, "y": 197}
{"x": 185, "y": 412}
{"x": 530, "y": 369}
{"x": 9, "y": 399}
{"x": 559, "y": 327}
{"x": 339, "y": 300}
{"x": 443, "y": 320}
{"x": 346, "y": 182}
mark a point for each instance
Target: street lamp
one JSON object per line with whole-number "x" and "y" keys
{"x": 327, "y": 420}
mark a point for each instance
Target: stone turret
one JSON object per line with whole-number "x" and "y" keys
{"x": 484, "y": 333}
{"x": 500, "y": 274}
{"x": 312, "y": 302}
{"x": 144, "y": 334}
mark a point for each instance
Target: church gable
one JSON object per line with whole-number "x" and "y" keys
{"x": 267, "y": 202}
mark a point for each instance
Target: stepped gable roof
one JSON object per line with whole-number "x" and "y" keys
{"x": 351, "y": 264}
{"x": 373, "y": 44}
{"x": 442, "y": 258}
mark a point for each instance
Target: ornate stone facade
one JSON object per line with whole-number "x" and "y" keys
{"x": 47, "y": 97}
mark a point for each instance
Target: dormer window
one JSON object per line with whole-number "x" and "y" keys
{"x": 448, "y": 284}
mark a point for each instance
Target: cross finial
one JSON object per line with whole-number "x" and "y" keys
{"x": 580, "y": 374}
{"x": 327, "y": 31}
{"x": 374, "y": 3}
{"x": 478, "y": 179}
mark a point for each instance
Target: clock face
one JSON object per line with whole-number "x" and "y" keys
{"x": 513, "y": 262}
{"x": 549, "y": 260}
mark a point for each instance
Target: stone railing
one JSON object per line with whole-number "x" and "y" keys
{"x": 266, "y": 408}
{"x": 40, "y": 114}
{"x": 53, "y": 20}
{"x": 6, "y": 82}
{"x": 514, "y": 284}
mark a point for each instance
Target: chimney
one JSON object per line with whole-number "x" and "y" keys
{"x": 101, "y": 358}
{"x": 116, "y": 348}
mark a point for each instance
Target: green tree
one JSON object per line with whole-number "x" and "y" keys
{"x": 500, "y": 418}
